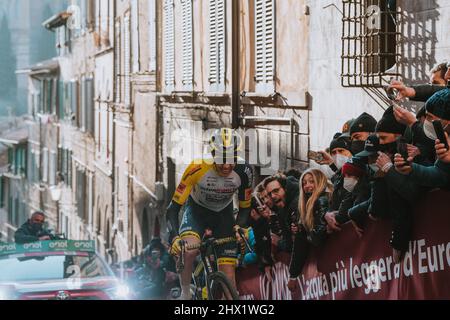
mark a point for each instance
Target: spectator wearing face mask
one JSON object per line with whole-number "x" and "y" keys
{"x": 315, "y": 195}
{"x": 340, "y": 150}
{"x": 360, "y": 130}
{"x": 33, "y": 230}
{"x": 373, "y": 206}
{"x": 333, "y": 157}
{"x": 357, "y": 185}
{"x": 435, "y": 176}
{"x": 401, "y": 198}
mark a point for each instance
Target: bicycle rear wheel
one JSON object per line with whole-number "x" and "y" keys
{"x": 220, "y": 287}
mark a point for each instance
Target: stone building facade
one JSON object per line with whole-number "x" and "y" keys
{"x": 159, "y": 74}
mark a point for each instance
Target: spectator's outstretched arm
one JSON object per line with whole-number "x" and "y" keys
{"x": 417, "y": 93}
{"x": 433, "y": 177}
{"x": 359, "y": 212}
{"x": 425, "y": 91}
{"x": 342, "y": 215}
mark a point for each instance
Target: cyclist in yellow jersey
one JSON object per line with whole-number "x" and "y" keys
{"x": 206, "y": 190}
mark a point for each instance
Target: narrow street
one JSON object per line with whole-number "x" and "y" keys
{"x": 113, "y": 115}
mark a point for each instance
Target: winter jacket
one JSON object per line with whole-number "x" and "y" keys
{"x": 288, "y": 214}
{"x": 26, "y": 234}
{"x": 304, "y": 238}
{"x": 339, "y": 193}
{"x": 360, "y": 194}
{"x": 437, "y": 176}
{"x": 401, "y": 197}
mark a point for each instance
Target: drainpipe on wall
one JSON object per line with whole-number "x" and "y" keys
{"x": 235, "y": 65}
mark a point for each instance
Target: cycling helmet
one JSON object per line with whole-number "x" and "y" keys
{"x": 225, "y": 144}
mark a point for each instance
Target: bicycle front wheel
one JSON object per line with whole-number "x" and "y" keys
{"x": 220, "y": 287}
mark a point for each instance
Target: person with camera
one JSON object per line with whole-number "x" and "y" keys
{"x": 259, "y": 222}
{"x": 332, "y": 159}
{"x": 157, "y": 264}
{"x": 400, "y": 197}
{"x": 33, "y": 230}
{"x": 421, "y": 92}
{"x": 436, "y": 176}
{"x": 284, "y": 193}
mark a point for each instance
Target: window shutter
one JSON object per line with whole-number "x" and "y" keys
{"x": 90, "y": 109}
{"x": 64, "y": 162}
{"x": 117, "y": 57}
{"x": 45, "y": 165}
{"x": 187, "y": 45}
{"x": 69, "y": 167}
{"x": 24, "y": 162}
{"x": 83, "y": 104}
{"x": 41, "y": 96}
{"x": 60, "y": 109}
{"x": 54, "y": 96}
{"x": 66, "y": 99}
{"x": 265, "y": 45}
{"x": 152, "y": 31}
{"x": 53, "y": 161}
{"x": 78, "y": 193}
{"x": 169, "y": 44}
{"x": 217, "y": 44}
{"x": 59, "y": 157}
{"x": 135, "y": 34}
{"x": 74, "y": 101}
{"x": 127, "y": 60}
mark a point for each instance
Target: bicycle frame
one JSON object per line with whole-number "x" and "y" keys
{"x": 208, "y": 259}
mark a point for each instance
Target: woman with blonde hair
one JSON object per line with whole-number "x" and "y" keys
{"x": 315, "y": 197}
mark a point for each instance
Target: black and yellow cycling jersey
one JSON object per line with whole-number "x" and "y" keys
{"x": 208, "y": 189}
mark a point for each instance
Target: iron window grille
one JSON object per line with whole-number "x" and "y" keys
{"x": 369, "y": 42}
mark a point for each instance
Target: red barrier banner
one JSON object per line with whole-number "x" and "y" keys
{"x": 351, "y": 268}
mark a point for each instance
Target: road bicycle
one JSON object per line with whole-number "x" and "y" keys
{"x": 208, "y": 283}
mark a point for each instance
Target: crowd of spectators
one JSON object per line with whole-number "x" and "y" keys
{"x": 373, "y": 169}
